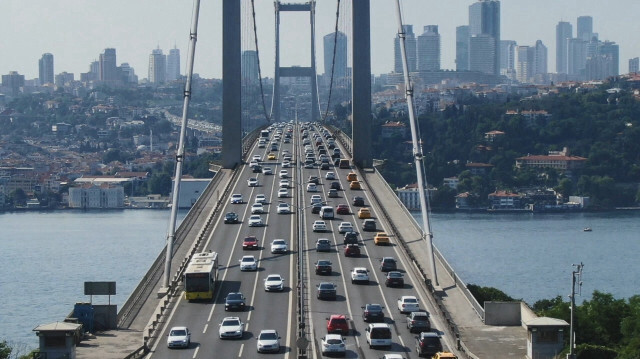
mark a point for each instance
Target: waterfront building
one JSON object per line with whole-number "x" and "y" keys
{"x": 462, "y": 48}
{"x": 564, "y": 31}
{"x": 173, "y": 64}
{"x": 338, "y": 39}
{"x": 96, "y": 196}
{"x": 560, "y": 160}
{"x": 634, "y": 64}
{"x": 157, "y": 67}
{"x": 45, "y": 69}
{"x": 503, "y": 200}
{"x": 484, "y": 19}
{"x": 190, "y": 190}
{"x": 410, "y": 47}
{"x": 410, "y": 196}
{"x": 428, "y": 49}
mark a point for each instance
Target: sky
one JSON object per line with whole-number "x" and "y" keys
{"x": 77, "y": 31}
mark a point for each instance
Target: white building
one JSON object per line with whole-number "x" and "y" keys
{"x": 190, "y": 190}
{"x": 410, "y": 196}
{"x": 90, "y": 196}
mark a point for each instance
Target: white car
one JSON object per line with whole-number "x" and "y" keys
{"x": 316, "y": 199}
{"x": 359, "y": 275}
{"x": 179, "y": 337}
{"x": 286, "y": 164}
{"x": 231, "y": 327}
{"x": 408, "y": 303}
{"x": 330, "y": 176}
{"x": 248, "y": 263}
{"x": 283, "y": 193}
{"x": 319, "y": 226}
{"x": 256, "y": 158}
{"x": 261, "y": 198}
{"x": 252, "y": 182}
{"x": 274, "y": 282}
{"x": 333, "y": 344}
{"x": 311, "y": 187}
{"x": 255, "y": 221}
{"x": 236, "y": 198}
{"x": 283, "y": 174}
{"x": 284, "y": 183}
{"x": 253, "y": 163}
{"x": 279, "y": 246}
{"x": 345, "y": 227}
{"x": 257, "y": 208}
{"x": 284, "y": 208}
{"x": 268, "y": 341}
{"x": 267, "y": 171}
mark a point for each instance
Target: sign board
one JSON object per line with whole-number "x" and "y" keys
{"x": 99, "y": 288}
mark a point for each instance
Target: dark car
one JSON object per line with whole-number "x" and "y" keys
{"x": 315, "y": 208}
{"x": 234, "y": 301}
{"x": 324, "y": 166}
{"x": 358, "y": 201}
{"x": 388, "y": 264}
{"x": 394, "y": 279}
{"x": 326, "y": 290}
{"x": 418, "y": 322}
{"x": 323, "y": 245}
{"x": 342, "y": 209}
{"x": 369, "y": 225}
{"x": 231, "y": 217}
{"x": 314, "y": 179}
{"x": 335, "y": 185}
{"x": 250, "y": 242}
{"x": 351, "y": 237}
{"x": 352, "y": 250}
{"x": 428, "y": 344}
{"x": 337, "y": 323}
{"x": 257, "y": 169}
{"x": 336, "y": 162}
{"x": 323, "y": 267}
{"x": 372, "y": 313}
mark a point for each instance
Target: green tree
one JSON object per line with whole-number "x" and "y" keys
{"x": 160, "y": 183}
{"x": 486, "y": 294}
{"x": 5, "y": 350}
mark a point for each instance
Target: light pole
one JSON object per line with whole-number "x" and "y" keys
{"x": 576, "y": 276}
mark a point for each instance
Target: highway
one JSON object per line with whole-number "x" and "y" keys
{"x": 276, "y": 310}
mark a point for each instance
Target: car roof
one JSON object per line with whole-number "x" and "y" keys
{"x": 379, "y": 325}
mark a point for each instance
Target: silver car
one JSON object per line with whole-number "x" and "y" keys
{"x": 268, "y": 341}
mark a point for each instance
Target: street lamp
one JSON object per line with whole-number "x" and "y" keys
{"x": 576, "y": 276}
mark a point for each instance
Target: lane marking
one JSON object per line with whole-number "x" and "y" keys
{"x": 195, "y": 353}
{"x": 206, "y": 326}
{"x": 241, "y": 349}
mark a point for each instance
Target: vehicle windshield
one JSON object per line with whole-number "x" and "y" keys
{"x": 178, "y": 333}
{"x": 334, "y": 341}
{"x": 325, "y": 286}
{"x": 273, "y": 278}
{"x": 247, "y": 259}
{"x": 410, "y": 300}
{"x": 268, "y": 336}
{"x": 234, "y": 297}
{"x": 374, "y": 308}
{"x": 278, "y": 242}
{"x": 230, "y": 322}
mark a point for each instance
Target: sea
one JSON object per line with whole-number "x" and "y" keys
{"x": 49, "y": 255}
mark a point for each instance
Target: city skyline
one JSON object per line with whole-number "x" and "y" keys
{"x": 75, "y": 50}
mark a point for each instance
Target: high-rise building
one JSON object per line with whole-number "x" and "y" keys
{"x": 484, "y": 19}
{"x": 45, "y": 69}
{"x": 634, "y": 65}
{"x": 507, "y": 57}
{"x": 63, "y": 79}
{"x": 338, "y": 39}
{"x": 108, "y": 67}
{"x": 526, "y": 63}
{"x": 249, "y": 67}
{"x": 173, "y": 64}
{"x": 611, "y": 50}
{"x": 462, "y": 48}
{"x": 585, "y": 28}
{"x": 128, "y": 74}
{"x": 428, "y": 51}
{"x": 157, "y": 67}
{"x": 564, "y": 31}
{"x": 540, "y": 63}
{"x": 13, "y": 81}
{"x": 482, "y": 53}
{"x": 576, "y": 57}
{"x": 410, "y": 47}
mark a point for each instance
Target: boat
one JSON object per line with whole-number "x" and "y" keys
{"x": 587, "y": 229}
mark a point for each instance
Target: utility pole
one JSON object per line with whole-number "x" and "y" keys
{"x": 576, "y": 276}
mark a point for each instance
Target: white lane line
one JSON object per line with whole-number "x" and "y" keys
{"x": 195, "y": 353}
{"x": 206, "y": 326}
{"x": 241, "y": 349}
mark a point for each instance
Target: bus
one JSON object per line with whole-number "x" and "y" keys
{"x": 264, "y": 133}
{"x": 201, "y": 276}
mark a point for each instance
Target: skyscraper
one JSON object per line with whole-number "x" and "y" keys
{"x": 540, "y": 63}
{"x": 45, "y": 67}
{"x": 462, "y": 48}
{"x": 585, "y": 28}
{"x": 428, "y": 51}
{"x": 482, "y": 53}
{"x": 249, "y": 67}
{"x": 410, "y": 46}
{"x": 612, "y": 50}
{"x": 157, "y": 67}
{"x": 564, "y": 31}
{"x": 507, "y": 57}
{"x": 525, "y": 63}
{"x": 340, "y": 67}
{"x": 108, "y": 67}
{"x": 576, "y": 57}
{"x": 173, "y": 64}
{"x": 634, "y": 64}
{"x": 484, "y": 19}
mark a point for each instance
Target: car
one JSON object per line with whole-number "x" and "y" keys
{"x": 256, "y": 168}
{"x": 308, "y": 165}
{"x": 332, "y": 193}
{"x": 315, "y": 199}
{"x": 268, "y": 341}
{"x": 256, "y": 158}
{"x": 372, "y": 313}
{"x": 408, "y": 304}
{"x": 335, "y": 185}
{"x": 364, "y": 213}
{"x": 283, "y": 174}
{"x": 326, "y": 290}
{"x": 231, "y": 217}
{"x": 330, "y": 175}
{"x": 316, "y": 207}
{"x": 352, "y": 250}
{"x": 250, "y": 242}
{"x": 388, "y": 264}
{"x": 355, "y": 185}
{"x": 369, "y": 224}
{"x": 283, "y": 208}
{"x": 381, "y": 238}
{"x": 394, "y": 279}
{"x": 323, "y": 266}
{"x": 342, "y": 209}
{"x": 283, "y": 193}
{"x": 428, "y": 344}
{"x": 358, "y": 201}
{"x": 271, "y": 156}
{"x": 378, "y": 335}
{"x": 311, "y": 187}
{"x": 253, "y": 182}
{"x": 231, "y": 327}
{"x": 333, "y": 344}
{"x": 255, "y": 221}
{"x": 319, "y": 226}
{"x": 267, "y": 171}
{"x": 253, "y": 164}
{"x": 248, "y": 263}
{"x": 274, "y": 282}
{"x": 337, "y": 323}
{"x": 360, "y": 275}
{"x": 350, "y": 238}
{"x": 323, "y": 245}
{"x": 314, "y": 179}
{"x": 418, "y": 322}
{"x": 352, "y": 176}
{"x": 345, "y": 227}
{"x": 261, "y": 198}
{"x": 179, "y": 337}
{"x": 236, "y": 198}
{"x": 284, "y": 183}
{"x": 257, "y": 208}
{"x": 279, "y": 246}
{"x": 234, "y": 300}
{"x": 324, "y": 166}
{"x": 286, "y": 163}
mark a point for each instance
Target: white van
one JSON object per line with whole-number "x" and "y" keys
{"x": 326, "y": 212}
{"x": 378, "y": 335}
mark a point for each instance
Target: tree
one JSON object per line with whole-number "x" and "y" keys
{"x": 486, "y": 294}
{"x": 160, "y": 183}
{"x": 5, "y": 350}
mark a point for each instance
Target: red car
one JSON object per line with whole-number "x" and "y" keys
{"x": 342, "y": 209}
{"x": 352, "y": 250}
{"x": 250, "y": 242}
{"x": 337, "y": 323}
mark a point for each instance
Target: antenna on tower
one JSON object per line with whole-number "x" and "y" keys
{"x": 151, "y": 140}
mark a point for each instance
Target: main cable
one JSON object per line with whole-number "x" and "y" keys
{"x": 255, "y": 38}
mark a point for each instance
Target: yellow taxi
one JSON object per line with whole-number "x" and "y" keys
{"x": 355, "y": 185}
{"x": 381, "y": 238}
{"x": 272, "y": 156}
{"x": 444, "y": 355}
{"x": 352, "y": 176}
{"x": 364, "y": 213}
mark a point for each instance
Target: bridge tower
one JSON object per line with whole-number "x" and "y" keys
{"x": 309, "y": 72}
{"x": 231, "y": 84}
{"x": 361, "y": 83}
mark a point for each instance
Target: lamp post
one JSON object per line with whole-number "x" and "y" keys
{"x": 576, "y": 276}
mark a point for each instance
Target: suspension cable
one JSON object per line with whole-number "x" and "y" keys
{"x": 333, "y": 62}
{"x": 255, "y": 38}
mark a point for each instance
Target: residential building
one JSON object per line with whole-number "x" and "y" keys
{"x": 338, "y": 39}
{"x": 410, "y": 48}
{"x": 503, "y": 200}
{"x": 560, "y": 160}
{"x": 173, "y": 64}
{"x": 63, "y": 79}
{"x": 585, "y": 28}
{"x": 428, "y": 55}
{"x": 451, "y": 182}
{"x": 462, "y": 48}
{"x": 478, "y": 168}
{"x": 128, "y": 74}
{"x": 484, "y": 19}
{"x": 564, "y": 31}
{"x": 14, "y": 82}
{"x": 92, "y": 196}
{"x": 108, "y": 68}
{"x": 507, "y": 58}
{"x": 634, "y": 64}
{"x": 390, "y": 129}
{"x": 410, "y": 196}
{"x": 157, "y": 67}
{"x": 492, "y": 135}
{"x": 45, "y": 69}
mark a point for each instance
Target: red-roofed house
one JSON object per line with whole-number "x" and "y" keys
{"x": 393, "y": 128}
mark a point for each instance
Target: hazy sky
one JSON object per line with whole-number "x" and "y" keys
{"x": 77, "y": 31}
